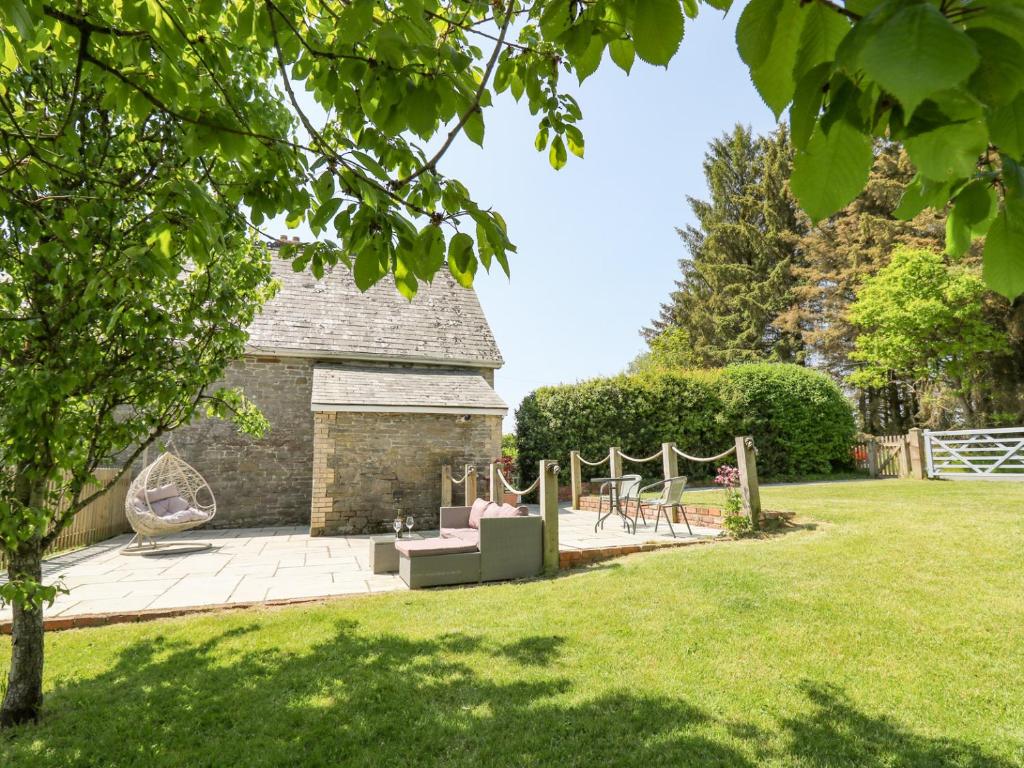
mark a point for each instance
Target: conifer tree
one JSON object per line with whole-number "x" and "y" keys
{"x": 739, "y": 271}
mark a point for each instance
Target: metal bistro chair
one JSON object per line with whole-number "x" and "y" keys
{"x": 620, "y": 493}
{"x": 671, "y": 498}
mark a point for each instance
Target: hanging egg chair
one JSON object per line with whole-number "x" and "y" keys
{"x": 169, "y": 496}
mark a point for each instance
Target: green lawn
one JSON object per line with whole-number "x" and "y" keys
{"x": 890, "y": 632}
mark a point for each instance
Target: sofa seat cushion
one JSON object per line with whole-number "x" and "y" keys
{"x": 471, "y": 535}
{"x": 438, "y": 546}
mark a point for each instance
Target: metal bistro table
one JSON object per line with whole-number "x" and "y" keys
{"x": 614, "y": 504}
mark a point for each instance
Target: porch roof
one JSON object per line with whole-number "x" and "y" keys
{"x": 403, "y": 390}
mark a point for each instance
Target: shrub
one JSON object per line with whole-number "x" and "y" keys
{"x": 800, "y": 420}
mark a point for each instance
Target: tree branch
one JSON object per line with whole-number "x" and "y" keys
{"x": 431, "y": 164}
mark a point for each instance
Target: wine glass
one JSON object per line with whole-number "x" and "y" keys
{"x": 397, "y": 525}
{"x": 409, "y": 522}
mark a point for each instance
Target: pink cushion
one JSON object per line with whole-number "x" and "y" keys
{"x": 438, "y": 546}
{"x": 465, "y": 534}
{"x": 505, "y": 510}
{"x": 477, "y": 511}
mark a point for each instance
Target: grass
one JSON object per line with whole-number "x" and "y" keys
{"x": 886, "y": 633}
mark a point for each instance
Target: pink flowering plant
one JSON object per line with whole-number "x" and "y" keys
{"x": 733, "y": 519}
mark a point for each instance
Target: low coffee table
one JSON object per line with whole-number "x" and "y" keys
{"x": 383, "y": 555}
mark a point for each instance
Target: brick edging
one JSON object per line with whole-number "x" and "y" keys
{"x": 580, "y": 557}
{"x": 60, "y": 623}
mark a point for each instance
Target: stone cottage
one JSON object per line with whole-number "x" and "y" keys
{"x": 367, "y": 395}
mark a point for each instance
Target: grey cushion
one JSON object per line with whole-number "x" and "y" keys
{"x": 165, "y": 507}
{"x": 168, "y": 491}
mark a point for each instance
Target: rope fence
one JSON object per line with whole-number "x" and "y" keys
{"x": 701, "y": 459}
{"x": 743, "y": 449}
{"x": 652, "y": 457}
{"x": 508, "y": 486}
{"x": 460, "y": 480}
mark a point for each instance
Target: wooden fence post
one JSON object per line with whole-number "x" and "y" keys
{"x": 446, "y": 485}
{"x": 469, "y": 485}
{"x": 614, "y": 462}
{"x": 496, "y": 491}
{"x": 575, "y": 478}
{"x": 904, "y": 456}
{"x": 915, "y": 443}
{"x": 872, "y": 446}
{"x": 548, "y": 493}
{"x": 746, "y": 463}
{"x": 669, "y": 462}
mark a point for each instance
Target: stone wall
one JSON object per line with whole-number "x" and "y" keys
{"x": 367, "y": 465}
{"x": 259, "y": 482}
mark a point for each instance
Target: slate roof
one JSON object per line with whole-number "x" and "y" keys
{"x": 332, "y": 319}
{"x": 383, "y": 390}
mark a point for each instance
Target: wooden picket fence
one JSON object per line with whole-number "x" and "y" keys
{"x": 102, "y": 519}
{"x": 891, "y": 455}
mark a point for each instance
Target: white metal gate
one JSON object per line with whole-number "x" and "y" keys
{"x": 964, "y": 454}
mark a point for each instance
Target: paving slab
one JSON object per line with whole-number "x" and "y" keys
{"x": 253, "y": 565}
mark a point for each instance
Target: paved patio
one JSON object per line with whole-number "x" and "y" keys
{"x": 255, "y": 565}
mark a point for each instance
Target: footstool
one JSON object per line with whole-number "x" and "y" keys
{"x": 383, "y": 555}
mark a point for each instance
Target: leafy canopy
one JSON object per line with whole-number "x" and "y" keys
{"x": 389, "y": 77}
{"x": 944, "y": 78}
{"x": 923, "y": 321}
{"x": 124, "y": 293}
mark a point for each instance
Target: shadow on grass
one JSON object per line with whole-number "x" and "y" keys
{"x": 386, "y": 700}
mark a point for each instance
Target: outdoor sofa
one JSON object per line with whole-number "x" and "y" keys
{"x": 485, "y": 542}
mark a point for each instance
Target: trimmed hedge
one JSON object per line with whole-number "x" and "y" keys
{"x": 801, "y": 422}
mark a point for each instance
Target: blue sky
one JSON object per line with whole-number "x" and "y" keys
{"x": 597, "y": 244}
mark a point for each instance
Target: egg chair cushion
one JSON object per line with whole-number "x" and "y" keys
{"x": 168, "y": 507}
{"x": 191, "y": 514}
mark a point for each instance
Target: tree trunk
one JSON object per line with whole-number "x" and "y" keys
{"x": 24, "y": 697}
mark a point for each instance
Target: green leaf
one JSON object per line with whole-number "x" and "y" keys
{"x": 657, "y": 30}
{"x": 555, "y": 19}
{"x": 622, "y": 53}
{"x": 1006, "y": 127}
{"x": 958, "y": 236}
{"x": 587, "y": 63}
{"x": 1000, "y": 76}
{"x": 541, "y": 139}
{"x": 755, "y": 30}
{"x": 405, "y": 280}
{"x": 919, "y": 194}
{"x": 803, "y": 114}
{"x": 918, "y": 52}
{"x": 769, "y": 35}
{"x": 323, "y": 214}
{"x": 474, "y": 127}
{"x": 461, "y": 262}
{"x": 833, "y": 169}
{"x": 368, "y": 268}
{"x": 948, "y": 152}
{"x": 1003, "y": 268}
{"x": 976, "y": 206}
{"x": 430, "y": 248}
{"x": 823, "y": 29}
{"x": 556, "y": 155}
{"x": 574, "y": 136}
